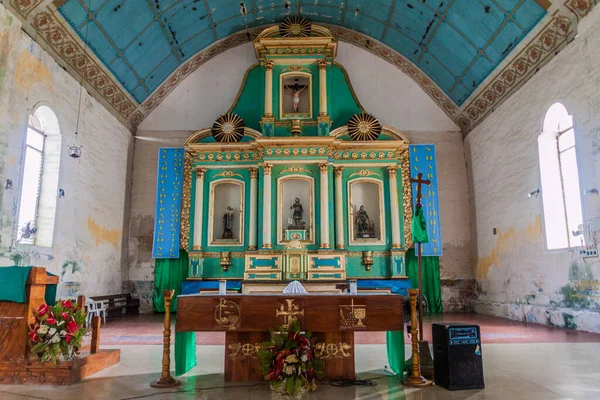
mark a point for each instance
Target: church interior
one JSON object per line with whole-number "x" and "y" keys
{"x": 374, "y": 199}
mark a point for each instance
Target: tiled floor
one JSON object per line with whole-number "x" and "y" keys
{"x": 147, "y": 329}
{"x": 520, "y": 362}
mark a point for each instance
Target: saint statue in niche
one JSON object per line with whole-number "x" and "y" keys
{"x": 297, "y": 215}
{"x": 365, "y": 227}
{"x": 296, "y": 88}
{"x": 228, "y": 224}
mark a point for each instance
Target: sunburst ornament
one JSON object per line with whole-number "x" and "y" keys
{"x": 295, "y": 27}
{"x": 364, "y": 127}
{"x": 228, "y": 128}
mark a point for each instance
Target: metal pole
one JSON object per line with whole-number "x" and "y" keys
{"x": 420, "y": 294}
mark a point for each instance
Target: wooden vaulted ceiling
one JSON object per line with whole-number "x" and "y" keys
{"x": 451, "y": 48}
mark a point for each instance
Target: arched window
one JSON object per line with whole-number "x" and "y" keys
{"x": 560, "y": 180}
{"x": 39, "y": 183}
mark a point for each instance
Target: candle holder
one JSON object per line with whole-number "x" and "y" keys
{"x": 225, "y": 260}
{"x": 367, "y": 259}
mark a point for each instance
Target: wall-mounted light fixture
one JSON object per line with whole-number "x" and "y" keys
{"x": 534, "y": 193}
{"x": 61, "y": 193}
{"x": 590, "y": 191}
{"x": 75, "y": 151}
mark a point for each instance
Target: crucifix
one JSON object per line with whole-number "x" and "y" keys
{"x": 420, "y": 181}
{"x": 296, "y": 89}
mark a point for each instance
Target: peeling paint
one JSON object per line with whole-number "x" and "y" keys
{"x": 30, "y": 71}
{"x": 104, "y": 235}
{"x": 505, "y": 243}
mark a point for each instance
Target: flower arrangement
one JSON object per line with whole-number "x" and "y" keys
{"x": 58, "y": 330}
{"x": 289, "y": 361}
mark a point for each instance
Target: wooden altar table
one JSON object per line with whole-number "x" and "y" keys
{"x": 246, "y": 319}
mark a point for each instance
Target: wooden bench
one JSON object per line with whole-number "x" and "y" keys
{"x": 119, "y": 304}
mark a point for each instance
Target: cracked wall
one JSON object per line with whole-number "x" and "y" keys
{"x": 516, "y": 277}
{"x": 90, "y": 230}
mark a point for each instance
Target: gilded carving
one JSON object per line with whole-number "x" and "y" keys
{"x": 227, "y": 314}
{"x": 243, "y": 350}
{"x": 333, "y": 350}
{"x": 228, "y": 174}
{"x": 324, "y": 167}
{"x": 406, "y": 199}
{"x": 200, "y": 172}
{"x": 289, "y": 311}
{"x": 186, "y": 201}
{"x": 253, "y": 173}
{"x": 295, "y": 68}
{"x": 267, "y": 168}
{"x": 322, "y": 64}
{"x": 352, "y": 316}
{"x": 392, "y": 170}
{"x": 338, "y": 171}
{"x": 295, "y": 169}
{"x": 364, "y": 173}
{"x": 269, "y": 65}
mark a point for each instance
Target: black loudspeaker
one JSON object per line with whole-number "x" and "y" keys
{"x": 457, "y": 356}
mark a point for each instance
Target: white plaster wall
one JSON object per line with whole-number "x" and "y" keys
{"x": 90, "y": 219}
{"x": 512, "y": 267}
{"x": 381, "y": 88}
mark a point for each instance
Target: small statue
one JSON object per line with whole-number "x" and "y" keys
{"x": 228, "y": 224}
{"x": 298, "y": 211}
{"x": 365, "y": 226}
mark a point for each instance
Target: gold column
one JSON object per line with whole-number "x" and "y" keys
{"x": 323, "y": 87}
{"x": 267, "y": 206}
{"x": 269, "y": 89}
{"x": 339, "y": 208}
{"x": 324, "y": 169}
{"x": 395, "y": 206}
{"x": 197, "y": 243}
{"x": 166, "y": 380}
{"x": 253, "y": 209}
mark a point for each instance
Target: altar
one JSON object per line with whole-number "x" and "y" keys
{"x": 296, "y": 181}
{"x": 246, "y": 320}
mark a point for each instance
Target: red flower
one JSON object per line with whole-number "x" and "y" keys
{"x": 43, "y": 310}
{"x": 271, "y": 375}
{"x": 64, "y": 315}
{"x": 68, "y": 337}
{"x": 67, "y": 304}
{"x": 51, "y": 320}
{"x": 33, "y": 337}
{"x": 72, "y": 327}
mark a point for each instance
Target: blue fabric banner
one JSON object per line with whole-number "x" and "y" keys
{"x": 168, "y": 203}
{"x": 422, "y": 159}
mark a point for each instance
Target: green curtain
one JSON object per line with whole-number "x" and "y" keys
{"x": 185, "y": 352}
{"x": 169, "y": 273}
{"x": 13, "y": 281}
{"x": 419, "y": 227}
{"x": 431, "y": 278}
{"x": 394, "y": 341}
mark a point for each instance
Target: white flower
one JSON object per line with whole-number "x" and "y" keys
{"x": 60, "y": 323}
{"x": 304, "y": 358}
{"x": 52, "y": 331}
{"x": 291, "y": 359}
{"x": 55, "y": 339}
{"x": 63, "y": 333}
{"x": 43, "y": 329}
{"x": 289, "y": 370}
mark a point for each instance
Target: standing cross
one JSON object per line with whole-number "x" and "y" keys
{"x": 419, "y": 181}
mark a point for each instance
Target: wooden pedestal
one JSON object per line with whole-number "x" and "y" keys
{"x": 64, "y": 373}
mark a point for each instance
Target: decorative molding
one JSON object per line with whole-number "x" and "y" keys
{"x": 580, "y": 8}
{"x": 338, "y": 171}
{"x": 324, "y": 168}
{"x": 392, "y": 170}
{"x": 64, "y": 42}
{"x": 253, "y": 173}
{"x": 364, "y": 173}
{"x": 267, "y": 171}
{"x": 269, "y": 65}
{"x": 295, "y": 169}
{"x": 544, "y": 46}
{"x": 186, "y": 203}
{"x": 200, "y": 172}
{"x": 24, "y": 7}
{"x": 406, "y": 199}
{"x": 333, "y": 350}
{"x": 239, "y": 350}
{"x": 294, "y": 68}
{"x": 228, "y": 174}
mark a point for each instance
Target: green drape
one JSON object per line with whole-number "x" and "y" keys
{"x": 394, "y": 341}
{"x": 419, "y": 226}
{"x": 12, "y": 285}
{"x": 169, "y": 273}
{"x": 185, "y": 352}
{"x": 431, "y": 278}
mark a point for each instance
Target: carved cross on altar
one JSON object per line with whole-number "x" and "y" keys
{"x": 419, "y": 181}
